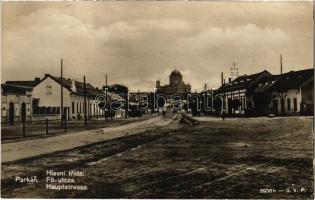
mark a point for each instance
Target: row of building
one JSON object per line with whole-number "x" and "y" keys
{"x": 260, "y": 94}
{"x": 41, "y": 99}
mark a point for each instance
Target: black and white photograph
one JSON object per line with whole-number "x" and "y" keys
{"x": 157, "y": 99}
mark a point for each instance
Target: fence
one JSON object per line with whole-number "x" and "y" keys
{"x": 15, "y": 130}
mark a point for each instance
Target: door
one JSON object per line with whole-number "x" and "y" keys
{"x": 229, "y": 105}
{"x": 275, "y": 107}
{"x": 11, "y": 112}
{"x": 23, "y": 112}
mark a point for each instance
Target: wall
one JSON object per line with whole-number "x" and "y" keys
{"x": 78, "y": 109}
{"x": 290, "y": 94}
{"x": 17, "y": 100}
{"x": 53, "y": 99}
{"x": 307, "y": 92}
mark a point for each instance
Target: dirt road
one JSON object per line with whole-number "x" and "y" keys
{"x": 35, "y": 147}
{"x": 240, "y": 158}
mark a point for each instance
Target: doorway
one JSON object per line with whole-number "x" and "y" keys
{"x": 11, "y": 112}
{"x": 275, "y": 107}
{"x": 23, "y": 112}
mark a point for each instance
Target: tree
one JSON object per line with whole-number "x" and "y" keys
{"x": 117, "y": 88}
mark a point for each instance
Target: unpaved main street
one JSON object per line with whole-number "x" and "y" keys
{"x": 235, "y": 158}
{"x": 35, "y": 147}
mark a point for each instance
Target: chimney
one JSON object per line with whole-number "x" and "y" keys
{"x": 37, "y": 79}
{"x": 230, "y": 80}
{"x": 158, "y": 84}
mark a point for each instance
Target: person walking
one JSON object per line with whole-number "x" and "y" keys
{"x": 223, "y": 115}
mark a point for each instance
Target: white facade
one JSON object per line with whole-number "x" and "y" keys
{"x": 241, "y": 96}
{"x": 16, "y": 106}
{"x": 77, "y": 107}
{"x": 48, "y": 92}
{"x": 292, "y": 101}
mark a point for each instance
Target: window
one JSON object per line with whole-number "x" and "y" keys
{"x": 72, "y": 108}
{"x": 289, "y": 104}
{"x": 48, "y": 90}
{"x": 295, "y": 104}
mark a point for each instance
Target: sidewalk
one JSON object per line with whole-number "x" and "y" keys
{"x": 35, "y": 147}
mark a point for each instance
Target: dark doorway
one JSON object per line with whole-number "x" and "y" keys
{"x": 229, "y": 105}
{"x": 11, "y": 112}
{"x": 275, "y": 107}
{"x": 68, "y": 113}
{"x": 23, "y": 112}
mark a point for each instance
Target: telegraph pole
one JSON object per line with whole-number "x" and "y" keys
{"x": 282, "y": 86}
{"x": 106, "y": 101}
{"x": 221, "y": 78}
{"x": 234, "y": 71}
{"x": 85, "y": 110}
{"x": 61, "y": 92}
{"x": 222, "y": 85}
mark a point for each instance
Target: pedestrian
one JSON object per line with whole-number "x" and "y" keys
{"x": 223, "y": 115}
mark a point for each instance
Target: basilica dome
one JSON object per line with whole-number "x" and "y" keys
{"x": 175, "y": 72}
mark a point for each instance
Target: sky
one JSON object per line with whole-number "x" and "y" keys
{"x": 137, "y": 43}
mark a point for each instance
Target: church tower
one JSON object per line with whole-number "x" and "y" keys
{"x": 176, "y": 77}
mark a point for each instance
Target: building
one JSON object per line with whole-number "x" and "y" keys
{"x": 238, "y": 93}
{"x": 176, "y": 84}
{"x": 291, "y": 93}
{"x": 41, "y": 99}
{"x": 16, "y": 100}
{"x": 117, "y": 101}
{"x": 47, "y": 99}
{"x": 262, "y": 94}
{"x": 16, "y": 103}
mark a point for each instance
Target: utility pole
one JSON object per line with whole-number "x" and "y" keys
{"x": 61, "y": 92}
{"x": 205, "y": 86}
{"x": 221, "y": 78}
{"x": 223, "y": 94}
{"x": 106, "y": 104}
{"x": 105, "y": 79}
{"x": 85, "y": 110}
{"x": 234, "y": 71}
{"x": 282, "y": 86}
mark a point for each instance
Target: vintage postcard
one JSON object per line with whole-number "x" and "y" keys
{"x": 157, "y": 99}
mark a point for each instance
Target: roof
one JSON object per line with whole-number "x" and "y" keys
{"x": 265, "y": 84}
{"x": 245, "y": 81}
{"x": 90, "y": 90}
{"x": 79, "y": 86}
{"x": 175, "y": 72}
{"x": 24, "y": 83}
{"x": 15, "y": 89}
{"x": 292, "y": 80}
